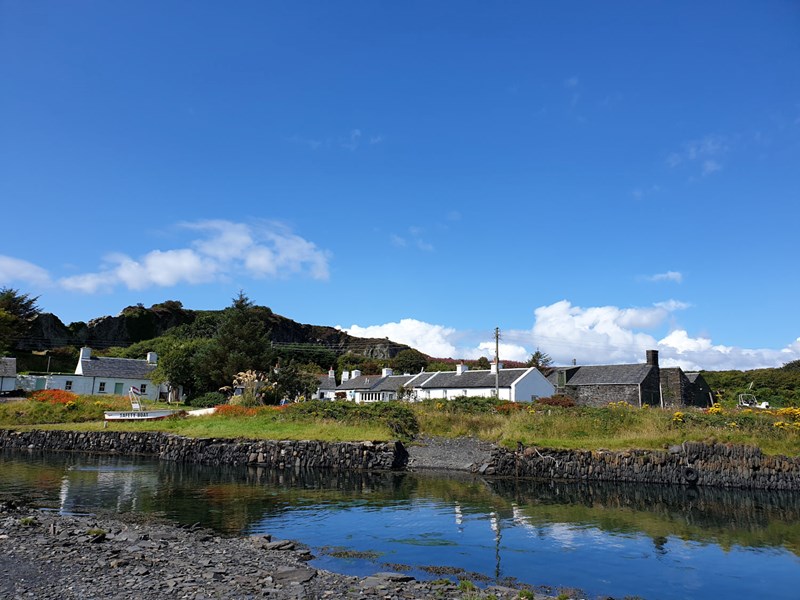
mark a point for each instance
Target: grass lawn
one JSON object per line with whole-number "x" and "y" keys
{"x": 616, "y": 427}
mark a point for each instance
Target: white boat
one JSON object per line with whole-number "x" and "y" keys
{"x": 138, "y": 412}
{"x": 139, "y": 415}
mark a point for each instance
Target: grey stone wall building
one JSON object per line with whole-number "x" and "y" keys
{"x": 637, "y": 384}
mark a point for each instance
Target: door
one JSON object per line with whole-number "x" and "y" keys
{"x": 118, "y": 389}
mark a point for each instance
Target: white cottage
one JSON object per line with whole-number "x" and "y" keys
{"x": 100, "y": 375}
{"x": 374, "y": 388}
{"x": 514, "y": 385}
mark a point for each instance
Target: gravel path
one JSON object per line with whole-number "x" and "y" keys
{"x": 450, "y": 454}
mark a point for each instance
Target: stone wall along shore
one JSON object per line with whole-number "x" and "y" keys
{"x": 691, "y": 463}
{"x": 377, "y": 456}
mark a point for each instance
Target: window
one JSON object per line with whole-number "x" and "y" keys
{"x": 143, "y": 388}
{"x": 102, "y": 387}
{"x": 68, "y": 385}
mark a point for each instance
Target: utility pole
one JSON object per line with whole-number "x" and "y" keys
{"x": 497, "y": 362}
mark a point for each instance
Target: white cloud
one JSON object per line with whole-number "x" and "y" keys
{"x": 590, "y": 335}
{"x": 311, "y": 144}
{"x": 675, "y": 276}
{"x": 706, "y": 152}
{"x": 507, "y": 351}
{"x": 607, "y": 335}
{"x": 352, "y": 141}
{"x": 415, "y": 237}
{"x": 90, "y": 283}
{"x": 434, "y": 340}
{"x": 15, "y": 269}
{"x": 711, "y": 166}
{"x": 259, "y": 250}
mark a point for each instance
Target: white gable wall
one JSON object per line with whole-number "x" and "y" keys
{"x": 531, "y": 385}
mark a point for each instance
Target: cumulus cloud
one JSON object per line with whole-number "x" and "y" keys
{"x": 434, "y": 340}
{"x": 440, "y": 341}
{"x": 15, "y": 269}
{"x": 675, "y": 276}
{"x": 258, "y": 250}
{"x": 609, "y": 334}
{"x": 590, "y": 336}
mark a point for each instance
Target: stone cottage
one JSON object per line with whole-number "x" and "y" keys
{"x": 637, "y": 384}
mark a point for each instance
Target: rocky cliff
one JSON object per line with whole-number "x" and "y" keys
{"x": 137, "y": 323}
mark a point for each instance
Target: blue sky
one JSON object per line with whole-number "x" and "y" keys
{"x": 595, "y": 179}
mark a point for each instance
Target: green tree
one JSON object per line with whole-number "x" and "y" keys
{"x": 410, "y": 361}
{"x": 180, "y": 363}
{"x": 17, "y": 310}
{"x": 541, "y": 361}
{"x": 241, "y": 344}
{"x": 7, "y": 332}
{"x": 289, "y": 381}
{"x": 482, "y": 363}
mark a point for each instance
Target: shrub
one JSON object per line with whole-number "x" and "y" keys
{"x": 507, "y": 408}
{"x": 208, "y": 400}
{"x": 557, "y": 400}
{"x": 54, "y": 396}
{"x": 398, "y": 417}
{"x": 465, "y": 404}
{"x": 234, "y": 410}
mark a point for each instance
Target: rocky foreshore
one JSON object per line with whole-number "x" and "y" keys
{"x": 45, "y": 555}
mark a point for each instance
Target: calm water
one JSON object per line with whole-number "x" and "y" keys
{"x": 653, "y": 542}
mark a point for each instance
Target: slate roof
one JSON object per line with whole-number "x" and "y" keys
{"x": 375, "y": 383}
{"x": 8, "y": 367}
{"x": 604, "y": 375}
{"x": 391, "y": 383}
{"x": 469, "y": 379}
{"x": 120, "y": 368}
{"x": 326, "y": 383}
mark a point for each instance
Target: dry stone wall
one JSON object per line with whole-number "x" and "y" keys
{"x": 690, "y": 463}
{"x": 378, "y": 456}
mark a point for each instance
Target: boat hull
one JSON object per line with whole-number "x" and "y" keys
{"x": 139, "y": 415}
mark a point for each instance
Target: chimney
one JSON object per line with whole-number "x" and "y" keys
{"x": 86, "y": 353}
{"x": 331, "y": 373}
{"x": 345, "y": 376}
{"x": 152, "y": 358}
{"x": 355, "y": 373}
{"x": 652, "y": 358}
{"x": 461, "y": 368}
{"x": 493, "y": 368}
{"x": 387, "y": 372}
